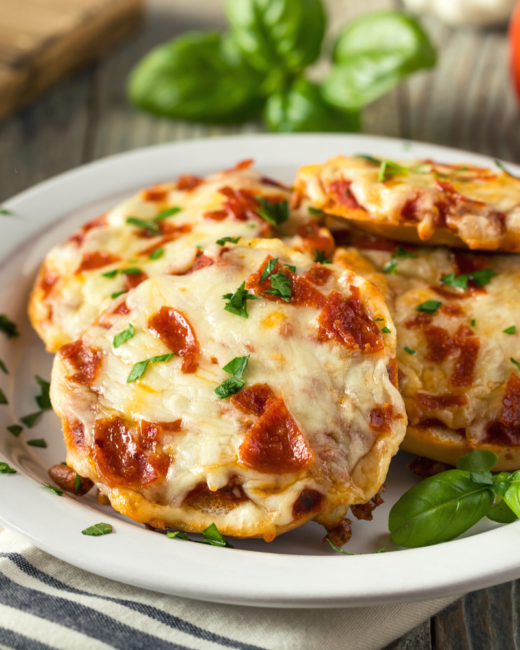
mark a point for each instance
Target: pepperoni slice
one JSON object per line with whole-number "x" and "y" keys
{"x": 133, "y": 280}
{"x": 507, "y": 429}
{"x": 151, "y": 432}
{"x": 303, "y": 293}
{"x": 122, "y": 308}
{"x": 340, "y": 189}
{"x": 275, "y": 444}
{"x": 84, "y": 360}
{"x": 99, "y": 222}
{"x": 254, "y": 399}
{"x": 309, "y": 501}
{"x": 243, "y": 164}
{"x": 440, "y": 344}
{"x": 465, "y": 363}
{"x": 318, "y": 275}
{"x": 189, "y": 182}
{"x": 421, "y": 319}
{"x": 155, "y": 194}
{"x": 201, "y": 261}
{"x": 381, "y": 418}
{"x": 345, "y": 320}
{"x": 120, "y": 459}
{"x": 446, "y": 400}
{"x": 96, "y": 260}
{"x": 176, "y": 333}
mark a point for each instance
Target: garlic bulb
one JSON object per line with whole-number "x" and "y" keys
{"x": 465, "y": 12}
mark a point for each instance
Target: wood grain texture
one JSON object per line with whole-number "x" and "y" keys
{"x": 467, "y": 101}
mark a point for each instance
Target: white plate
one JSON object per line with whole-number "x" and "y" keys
{"x": 296, "y": 570}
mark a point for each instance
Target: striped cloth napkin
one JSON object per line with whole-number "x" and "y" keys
{"x": 46, "y": 604}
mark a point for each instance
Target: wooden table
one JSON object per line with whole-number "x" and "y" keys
{"x": 466, "y": 102}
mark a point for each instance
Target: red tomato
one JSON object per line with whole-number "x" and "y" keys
{"x": 514, "y": 45}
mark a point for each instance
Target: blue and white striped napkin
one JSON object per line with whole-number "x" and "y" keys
{"x": 46, "y": 604}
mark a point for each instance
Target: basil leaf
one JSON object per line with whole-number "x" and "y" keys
{"x": 339, "y": 550}
{"x": 3, "y": 367}
{"x": 15, "y": 429}
{"x": 53, "y": 489}
{"x": 278, "y": 34}
{"x": 38, "y": 442}
{"x": 237, "y": 366}
{"x": 177, "y": 534}
{"x": 481, "y": 278}
{"x": 5, "y": 468}
{"x": 430, "y": 306}
{"x": 3, "y": 398}
{"x": 438, "y": 509}
{"x": 30, "y": 419}
{"x": 197, "y": 76}
{"x": 390, "y": 267}
{"x": 302, "y": 108}
{"x": 402, "y": 252}
{"x": 233, "y": 240}
{"x": 229, "y": 387}
{"x": 213, "y": 536}
{"x": 156, "y": 254}
{"x": 501, "y": 483}
{"x": 237, "y": 302}
{"x": 477, "y": 460}
{"x": 169, "y": 212}
{"x": 139, "y": 368}
{"x": 43, "y": 400}
{"x": 280, "y": 286}
{"x": 7, "y": 326}
{"x": 512, "y": 495}
{"x": 501, "y": 513}
{"x": 97, "y": 530}
{"x": 120, "y": 338}
{"x": 483, "y": 478}
{"x": 373, "y": 55}
{"x": 510, "y": 330}
{"x": 320, "y": 257}
{"x": 458, "y": 281}
{"x": 273, "y": 213}
{"x": 268, "y": 269}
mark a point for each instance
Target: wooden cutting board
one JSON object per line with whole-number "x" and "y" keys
{"x": 42, "y": 41}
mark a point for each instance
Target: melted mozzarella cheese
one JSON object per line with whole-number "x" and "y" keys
{"x": 329, "y": 389}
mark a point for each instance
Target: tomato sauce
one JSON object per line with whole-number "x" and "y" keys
{"x": 340, "y": 189}
{"x": 309, "y": 501}
{"x": 318, "y": 275}
{"x": 84, "y": 360}
{"x": 152, "y": 431}
{"x": 311, "y": 235}
{"x": 177, "y": 334}
{"x": 254, "y": 399}
{"x": 133, "y": 280}
{"x": 79, "y": 237}
{"x": 96, "y": 260}
{"x": 47, "y": 282}
{"x": 446, "y": 400}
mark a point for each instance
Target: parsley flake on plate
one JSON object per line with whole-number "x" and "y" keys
{"x": 237, "y": 302}
{"x": 280, "y": 286}
{"x": 15, "y": 429}
{"x": 274, "y": 213}
{"x": 5, "y": 468}
{"x": 320, "y": 257}
{"x": 120, "y": 338}
{"x": 53, "y": 489}
{"x": 3, "y": 367}
{"x": 5, "y": 212}
{"x": 177, "y": 534}
{"x": 97, "y": 530}
{"x": 3, "y": 398}
{"x": 336, "y": 548}
{"x": 232, "y": 240}
{"x": 211, "y": 535}
{"x": 43, "y": 399}
{"x": 430, "y": 306}
{"x": 139, "y": 368}
{"x": 29, "y": 420}
{"x": 7, "y": 326}
{"x": 38, "y": 442}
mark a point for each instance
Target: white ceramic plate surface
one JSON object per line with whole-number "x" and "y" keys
{"x": 297, "y": 569}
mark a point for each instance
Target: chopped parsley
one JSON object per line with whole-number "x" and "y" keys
{"x": 177, "y": 534}
{"x": 481, "y": 278}
{"x": 138, "y": 370}
{"x": 120, "y": 338}
{"x": 3, "y": 398}
{"x": 30, "y": 419}
{"x": 320, "y": 257}
{"x": 5, "y": 468}
{"x": 157, "y": 253}
{"x": 110, "y": 274}
{"x": 117, "y": 294}
{"x": 237, "y": 302}
{"x": 388, "y": 169}
{"x": 43, "y": 400}
{"x": 15, "y": 429}
{"x": 381, "y": 550}
{"x": 3, "y": 367}
{"x": 385, "y": 330}
{"x": 336, "y": 548}
{"x": 233, "y": 240}
{"x": 235, "y": 367}
{"x": 38, "y": 442}
{"x": 97, "y": 530}
{"x": 517, "y": 363}
{"x": 370, "y": 159}
{"x": 211, "y": 535}
{"x": 510, "y": 330}
{"x": 77, "y": 483}
{"x": 409, "y": 350}
{"x": 169, "y": 212}
{"x": 5, "y": 212}
{"x": 378, "y": 319}
{"x": 280, "y": 286}
{"x": 473, "y": 322}
{"x": 317, "y": 212}
{"x": 390, "y": 267}
{"x": 457, "y": 281}
{"x": 133, "y": 270}
{"x": 150, "y": 227}
{"x": 53, "y": 489}
{"x": 430, "y": 306}
{"x": 273, "y": 213}
{"x": 402, "y": 252}
{"x": 269, "y": 268}
{"x": 290, "y": 267}
{"x": 7, "y": 326}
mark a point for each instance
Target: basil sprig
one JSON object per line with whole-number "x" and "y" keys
{"x": 260, "y": 65}
{"x": 444, "y": 506}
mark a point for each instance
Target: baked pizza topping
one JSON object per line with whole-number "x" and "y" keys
{"x": 177, "y": 334}
{"x": 85, "y": 360}
{"x": 96, "y": 260}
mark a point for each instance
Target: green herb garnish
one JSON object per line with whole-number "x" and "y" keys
{"x": 5, "y": 468}
{"x": 169, "y": 212}
{"x": 370, "y": 159}
{"x": 378, "y": 319}
{"x": 110, "y": 274}
{"x": 268, "y": 269}
{"x": 337, "y": 549}
{"x": 280, "y": 286}
{"x": 53, "y": 489}
{"x": 7, "y": 326}
{"x": 517, "y": 363}
{"x": 402, "y": 252}
{"x": 235, "y": 367}
{"x": 320, "y": 257}
{"x": 133, "y": 270}
{"x": 473, "y": 322}
{"x": 237, "y": 302}
{"x": 5, "y": 212}
{"x": 275, "y": 213}
{"x": 157, "y": 253}
{"x": 317, "y": 212}
{"x": 457, "y": 281}
{"x": 213, "y": 537}
{"x": 15, "y": 429}
{"x": 177, "y": 534}
{"x": 481, "y": 278}
{"x": 151, "y": 228}
{"x": 430, "y": 306}
{"x": 77, "y": 483}
{"x": 120, "y": 338}
{"x": 504, "y": 168}
{"x": 30, "y": 419}
{"x": 389, "y": 169}
{"x": 233, "y": 240}
{"x": 390, "y": 267}
{"x": 290, "y": 267}
{"x": 97, "y": 530}
{"x": 139, "y": 368}
{"x": 38, "y": 442}
{"x": 3, "y": 398}
{"x": 510, "y": 330}
{"x": 385, "y": 330}
{"x": 3, "y": 367}
{"x": 117, "y": 294}
{"x": 44, "y": 399}
{"x": 409, "y": 350}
